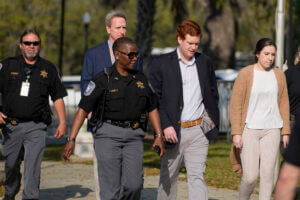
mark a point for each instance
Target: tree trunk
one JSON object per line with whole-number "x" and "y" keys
{"x": 146, "y": 12}
{"x": 221, "y": 28}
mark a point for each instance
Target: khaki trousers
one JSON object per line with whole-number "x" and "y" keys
{"x": 258, "y": 156}
{"x": 192, "y": 150}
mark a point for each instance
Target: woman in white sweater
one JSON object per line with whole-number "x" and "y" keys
{"x": 259, "y": 112}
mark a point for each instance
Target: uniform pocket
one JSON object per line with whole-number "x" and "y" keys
{"x": 14, "y": 84}
{"x": 43, "y": 87}
{"x": 115, "y": 100}
{"x": 142, "y": 102}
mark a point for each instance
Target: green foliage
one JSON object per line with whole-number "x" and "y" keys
{"x": 164, "y": 28}
{"x": 256, "y": 19}
{"x": 2, "y": 189}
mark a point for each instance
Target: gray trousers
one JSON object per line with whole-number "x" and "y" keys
{"x": 119, "y": 153}
{"x": 25, "y": 141}
{"x": 192, "y": 150}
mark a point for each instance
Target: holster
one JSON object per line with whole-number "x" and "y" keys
{"x": 144, "y": 121}
{"x": 45, "y": 116}
{"x": 96, "y": 117}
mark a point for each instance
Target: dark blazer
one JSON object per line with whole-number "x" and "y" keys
{"x": 165, "y": 78}
{"x": 95, "y": 60}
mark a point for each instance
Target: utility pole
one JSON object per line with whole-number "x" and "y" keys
{"x": 280, "y": 33}
{"x": 279, "y": 61}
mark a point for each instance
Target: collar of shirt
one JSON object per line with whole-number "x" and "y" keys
{"x": 188, "y": 64}
{"x": 117, "y": 76}
{"x": 111, "y": 51}
{"x": 22, "y": 60}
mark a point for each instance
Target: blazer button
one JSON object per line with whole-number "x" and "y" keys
{"x": 180, "y": 107}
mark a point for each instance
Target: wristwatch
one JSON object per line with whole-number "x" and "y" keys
{"x": 70, "y": 139}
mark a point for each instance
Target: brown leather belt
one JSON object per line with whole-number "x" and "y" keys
{"x": 190, "y": 123}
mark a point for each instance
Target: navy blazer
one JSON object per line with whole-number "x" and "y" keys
{"x": 95, "y": 60}
{"x": 165, "y": 78}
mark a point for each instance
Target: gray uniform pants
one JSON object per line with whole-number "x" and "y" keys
{"x": 192, "y": 149}
{"x": 119, "y": 153}
{"x": 24, "y": 141}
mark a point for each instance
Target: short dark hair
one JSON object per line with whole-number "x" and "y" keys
{"x": 263, "y": 43}
{"x": 121, "y": 41}
{"x": 188, "y": 27}
{"x": 27, "y": 31}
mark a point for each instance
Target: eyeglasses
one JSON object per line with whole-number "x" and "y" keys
{"x": 35, "y": 43}
{"x": 130, "y": 55}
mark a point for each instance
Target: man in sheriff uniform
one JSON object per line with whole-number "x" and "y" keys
{"x": 26, "y": 81}
{"x": 118, "y": 142}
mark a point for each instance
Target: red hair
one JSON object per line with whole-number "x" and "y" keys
{"x": 188, "y": 27}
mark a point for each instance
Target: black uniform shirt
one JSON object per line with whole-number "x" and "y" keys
{"x": 44, "y": 81}
{"x": 127, "y": 97}
{"x": 293, "y": 85}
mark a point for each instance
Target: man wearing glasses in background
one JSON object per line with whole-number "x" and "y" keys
{"x": 26, "y": 81}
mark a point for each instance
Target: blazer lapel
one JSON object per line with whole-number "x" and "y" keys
{"x": 201, "y": 72}
{"x": 106, "y": 56}
{"x": 175, "y": 65}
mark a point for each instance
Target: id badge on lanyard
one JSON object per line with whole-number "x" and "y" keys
{"x": 25, "y": 89}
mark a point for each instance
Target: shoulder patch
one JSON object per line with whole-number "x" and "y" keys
{"x": 90, "y": 88}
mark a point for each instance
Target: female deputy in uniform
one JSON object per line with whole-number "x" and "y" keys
{"x": 118, "y": 142}
{"x": 259, "y": 113}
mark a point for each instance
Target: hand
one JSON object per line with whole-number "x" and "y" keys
{"x": 61, "y": 130}
{"x": 237, "y": 141}
{"x": 89, "y": 116}
{"x": 170, "y": 135}
{"x": 285, "y": 140}
{"x": 68, "y": 150}
{"x": 158, "y": 141}
{"x": 2, "y": 116}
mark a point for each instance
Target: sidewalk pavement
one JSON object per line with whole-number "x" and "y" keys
{"x": 71, "y": 181}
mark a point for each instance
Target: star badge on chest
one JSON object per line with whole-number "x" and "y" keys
{"x": 44, "y": 74}
{"x": 140, "y": 84}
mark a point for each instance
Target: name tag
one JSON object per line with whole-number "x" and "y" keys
{"x": 25, "y": 89}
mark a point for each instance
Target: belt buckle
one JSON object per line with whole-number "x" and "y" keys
{"x": 126, "y": 124}
{"x": 13, "y": 122}
{"x": 135, "y": 125}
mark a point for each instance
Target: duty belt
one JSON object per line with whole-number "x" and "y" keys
{"x": 14, "y": 121}
{"x": 125, "y": 124}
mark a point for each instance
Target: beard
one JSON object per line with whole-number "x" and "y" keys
{"x": 30, "y": 56}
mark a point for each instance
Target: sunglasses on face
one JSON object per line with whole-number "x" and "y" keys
{"x": 130, "y": 55}
{"x": 35, "y": 43}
